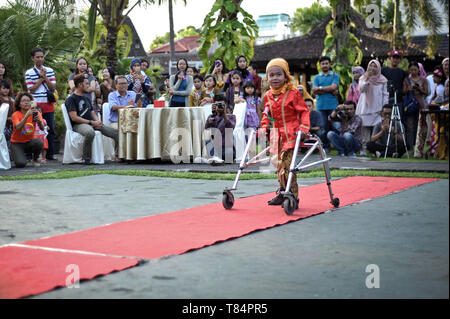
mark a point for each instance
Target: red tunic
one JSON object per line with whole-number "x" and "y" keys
{"x": 291, "y": 114}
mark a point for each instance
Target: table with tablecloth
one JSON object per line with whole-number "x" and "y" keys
{"x": 159, "y": 132}
{"x": 167, "y": 133}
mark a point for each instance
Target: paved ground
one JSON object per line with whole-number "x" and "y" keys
{"x": 405, "y": 234}
{"x": 360, "y": 163}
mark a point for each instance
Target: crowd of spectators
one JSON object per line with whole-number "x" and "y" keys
{"x": 359, "y": 124}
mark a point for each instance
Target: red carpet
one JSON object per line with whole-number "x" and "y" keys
{"x": 197, "y": 227}
{"x": 188, "y": 229}
{"x": 25, "y": 271}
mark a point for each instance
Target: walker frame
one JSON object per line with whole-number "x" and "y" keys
{"x": 289, "y": 202}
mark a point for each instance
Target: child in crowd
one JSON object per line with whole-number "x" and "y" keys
{"x": 314, "y": 118}
{"x": 286, "y": 109}
{"x": 235, "y": 92}
{"x": 42, "y": 134}
{"x": 251, "y": 113}
{"x": 192, "y": 71}
{"x": 163, "y": 95}
{"x": 210, "y": 91}
{"x": 5, "y": 97}
{"x": 194, "y": 98}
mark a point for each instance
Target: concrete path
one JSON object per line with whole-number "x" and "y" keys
{"x": 404, "y": 234}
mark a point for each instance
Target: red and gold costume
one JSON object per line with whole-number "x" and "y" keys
{"x": 288, "y": 113}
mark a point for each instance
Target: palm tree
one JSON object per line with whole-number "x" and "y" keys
{"x": 114, "y": 13}
{"x": 23, "y": 29}
{"x": 415, "y": 11}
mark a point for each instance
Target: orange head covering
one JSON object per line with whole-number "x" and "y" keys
{"x": 288, "y": 86}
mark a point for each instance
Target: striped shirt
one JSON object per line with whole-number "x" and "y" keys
{"x": 31, "y": 78}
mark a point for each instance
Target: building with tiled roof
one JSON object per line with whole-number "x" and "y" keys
{"x": 303, "y": 52}
{"x": 185, "y": 44}
{"x": 185, "y": 47}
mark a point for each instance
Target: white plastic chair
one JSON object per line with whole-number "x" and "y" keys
{"x": 73, "y": 144}
{"x": 108, "y": 143}
{"x": 207, "y": 110}
{"x": 239, "y": 132}
{"x": 5, "y": 162}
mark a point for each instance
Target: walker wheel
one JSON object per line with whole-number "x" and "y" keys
{"x": 289, "y": 205}
{"x": 227, "y": 200}
{"x": 335, "y": 202}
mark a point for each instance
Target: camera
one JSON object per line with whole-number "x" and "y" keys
{"x": 341, "y": 115}
{"x": 219, "y": 105}
{"x": 390, "y": 87}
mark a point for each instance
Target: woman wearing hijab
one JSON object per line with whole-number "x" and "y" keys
{"x": 374, "y": 94}
{"x": 303, "y": 92}
{"x": 288, "y": 112}
{"x": 353, "y": 92}
{"x": 138, "y": 82}
{"x": 241, "y": 66}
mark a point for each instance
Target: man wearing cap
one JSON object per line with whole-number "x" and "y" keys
{"x": 395, "y": 75}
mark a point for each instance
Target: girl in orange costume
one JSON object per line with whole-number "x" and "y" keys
{"x": 288, "y": 112}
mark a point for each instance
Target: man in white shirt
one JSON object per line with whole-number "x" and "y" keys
{"x": 39, "y": 80}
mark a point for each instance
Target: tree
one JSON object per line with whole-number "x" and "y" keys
{"x": 387, "y": 24}
{"x": 23, "y": 29}
{"x": 234, "y": 30}
{"x": 341, "y": 44}
{"x": 114, "y": 13}
{"x": 160, "y": 41}
{"x": 307, "y": 18}
{"x": 414, "y": 11}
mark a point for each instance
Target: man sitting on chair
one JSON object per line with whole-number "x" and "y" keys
{"x": 83, "y": 118}
{"x": 121, "y": 98}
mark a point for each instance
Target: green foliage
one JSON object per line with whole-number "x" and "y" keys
{"x": 234, "y": 30}
{"x": 60, "y": 126}
{"x": 160, "y": 41}
{"x": 349, "y": 55}
{"x": 22, "y": 29}
{"x": 387, "y": 24}
{"x": 307, "y": 18}
{"x": 123, "y": 66}
{"x": 404, "y": 64}
{"x": 187, "y": 32}
{"x": 72, "y": 173}
{"x": 155, "y": 73}
{"x": 429, "y": 14}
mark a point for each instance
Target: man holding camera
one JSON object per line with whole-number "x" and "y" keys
{"x": 222, "y": 120}
{"x": 348, "y": 142}
{"x": 378, "y": 141}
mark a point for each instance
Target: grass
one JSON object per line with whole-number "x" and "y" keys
{"x": 67, "y": 174}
